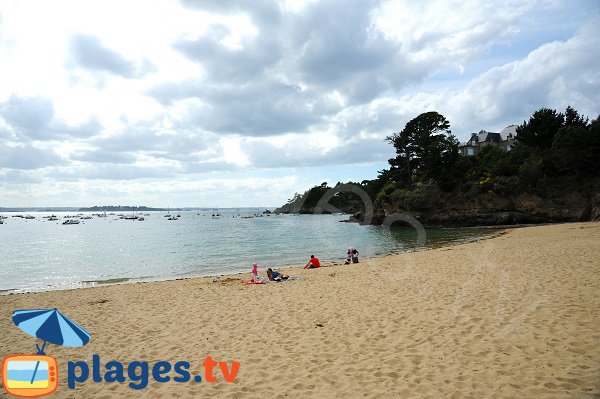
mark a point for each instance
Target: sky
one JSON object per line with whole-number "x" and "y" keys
{"x": 244, "y": 103}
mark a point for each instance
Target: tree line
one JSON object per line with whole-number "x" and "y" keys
{"x": 555, "y": 152}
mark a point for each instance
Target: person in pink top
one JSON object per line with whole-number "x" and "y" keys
{"x": 255, "y": 271}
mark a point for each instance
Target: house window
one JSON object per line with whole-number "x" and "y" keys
{"x": 470, "y": 151}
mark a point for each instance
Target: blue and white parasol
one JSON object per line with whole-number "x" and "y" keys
{"x": 51, "y": 326}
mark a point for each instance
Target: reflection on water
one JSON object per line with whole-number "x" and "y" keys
{"x": 39, "y": 254}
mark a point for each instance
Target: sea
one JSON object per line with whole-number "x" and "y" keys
{"x": 37, "y": 254}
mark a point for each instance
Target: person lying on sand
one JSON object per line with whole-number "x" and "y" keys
{"x": 274, "y": 275}
{"x": 313, "y": 263}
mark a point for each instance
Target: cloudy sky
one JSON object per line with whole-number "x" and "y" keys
{"x": 243, "y": 103}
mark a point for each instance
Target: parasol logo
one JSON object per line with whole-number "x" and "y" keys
{"x": 34, "y": 376}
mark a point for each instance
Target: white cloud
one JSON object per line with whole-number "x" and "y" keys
{"x": 556, "y": 74}
{"x": 109, "y": 99}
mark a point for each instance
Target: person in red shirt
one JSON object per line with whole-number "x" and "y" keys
{"x": 313, "y": 263}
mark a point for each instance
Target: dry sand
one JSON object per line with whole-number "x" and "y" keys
{"x": 512, "y": 316}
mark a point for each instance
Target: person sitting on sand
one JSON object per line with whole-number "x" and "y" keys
{"x": 274, "y": 275}
{"x": 313, "y": 263}
{"x": 352, "y": 255}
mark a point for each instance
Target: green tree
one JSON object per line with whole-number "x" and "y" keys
{"x": 313, "y": 195}
{"x": 572, "y": 118}
{"x": 295, "y": 198}
{"x": 541, "y": 128}
{"x": 576, "y": 148}
{"x": 424, "y": 148}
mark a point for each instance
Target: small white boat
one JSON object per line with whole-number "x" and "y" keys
{"x": 71, "y": 221}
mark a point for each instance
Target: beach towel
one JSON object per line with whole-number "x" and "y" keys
{"x": 290, "y": 278}
{"x": 255, "y": 281}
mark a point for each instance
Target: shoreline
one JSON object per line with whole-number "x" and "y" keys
{"x": 511, "y": 316}
{"x": 285, "y": 267}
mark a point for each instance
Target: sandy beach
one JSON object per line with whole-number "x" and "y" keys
{"x": 513, "y": 316}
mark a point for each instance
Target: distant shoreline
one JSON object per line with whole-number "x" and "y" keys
{"x": 116, "y": 208}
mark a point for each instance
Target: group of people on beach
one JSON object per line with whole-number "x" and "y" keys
{"x": 313, "y": 263}
{"x": 352, "y": 257}
{"x": 272, "y": 275}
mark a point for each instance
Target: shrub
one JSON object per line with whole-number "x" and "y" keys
{"x": 415, "y": 200}
{"x": 531, "y": 171}
{"x": 507, "y": 185}
{"x": 389, "y": 187}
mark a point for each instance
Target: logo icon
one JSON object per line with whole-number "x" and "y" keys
{"x": 32, "y": 376}
{"x": 29, "y": 376}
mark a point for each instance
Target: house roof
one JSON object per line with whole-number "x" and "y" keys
{"x": 483, "y": 137}
{"x": 508, "y": 132}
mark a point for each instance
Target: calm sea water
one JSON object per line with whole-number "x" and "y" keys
{"x": 38, "y": 254}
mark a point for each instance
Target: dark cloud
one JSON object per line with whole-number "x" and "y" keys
{"x": 25, "y": 156}
{"x": 31, "y": 114}
{"x": 90, "y": 53}
{"x": 178, "y": 144}
{"x": 336, "y": 43}
{"x": 260, "y": 108}
{"x": 179, "y": 151}
{"x": 32, "y": 118}
{"x": 226, "y": 65}
{"x": 329, "y": 44}
{"x": 295, "y": 154}
{"x": 281, "y": 80}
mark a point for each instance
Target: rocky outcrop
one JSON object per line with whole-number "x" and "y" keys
{"x": 557, "y": 200}
{"x": 490, "y": 209}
